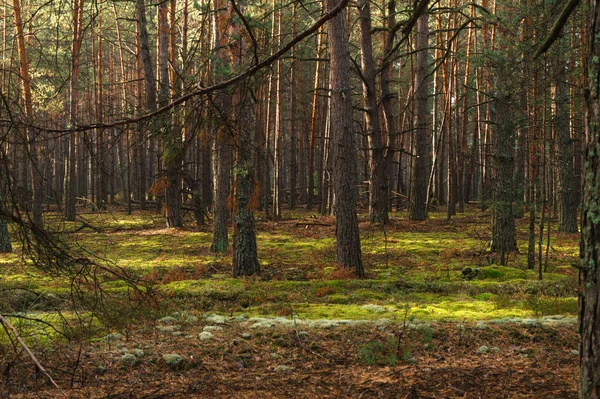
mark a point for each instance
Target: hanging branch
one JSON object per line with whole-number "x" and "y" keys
{"x": 557, "y": 27}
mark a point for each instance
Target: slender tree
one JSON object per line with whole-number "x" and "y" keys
{"x": 223, "y": 139}
{"x": 420, "y": 169}
{"x": 31, "y": 135}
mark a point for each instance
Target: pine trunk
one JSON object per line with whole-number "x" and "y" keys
{"x": 344, "y": 162}
{"x": 420, "y": 169}
{"x": 589, "y": 275}
{"x": 378, "y": 170}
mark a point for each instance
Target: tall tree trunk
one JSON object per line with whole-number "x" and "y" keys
{"x": 503, "y": 223}
{"x": 172, "y": 151}
{"x": 314, "y": 123}
{"x": 36, "y": 176}
{"x": 378, "y": 167}
{"x": 344, "y": 163}
{"x": 294, "y": 143}
{"x": 278, "y": 127}
{"x": 72, "y": 175}
{"x": 245, "y": 257}
{"x": 589, "y": 275}
{"x": 567, "y": 217}
{"x": 222, "y": 142}
{"x": 420, "y": 169}
{"x": 150, "y": 89}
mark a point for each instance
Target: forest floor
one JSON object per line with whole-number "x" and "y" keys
{"x": 433, "y": 318}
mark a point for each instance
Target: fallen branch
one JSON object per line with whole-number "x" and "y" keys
{"x": 313, "y": 224}
{"x": 8, "y": 324}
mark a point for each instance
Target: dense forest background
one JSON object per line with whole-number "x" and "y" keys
{"x": 228, "y": 117}
{"x": 170, "y": 104}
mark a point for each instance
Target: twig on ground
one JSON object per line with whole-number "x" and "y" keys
{"x": 8, "y": 324}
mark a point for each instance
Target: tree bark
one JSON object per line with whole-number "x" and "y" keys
{"x": 420, "y": 169}
{"x": 503, "y": 222}
{"x": 344, "y": 163}
{"x": 378, "y": 167}
{"x": 222, "y": 142}
{"x": 589, "y": 275}
{"x": 72, "y": 175}
{"x": 36, "y": 176}
{"x": 567, "y": 216}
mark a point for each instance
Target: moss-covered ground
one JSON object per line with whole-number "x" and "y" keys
{"x": 437, "y": 271}
{"x": 411, "y": 267}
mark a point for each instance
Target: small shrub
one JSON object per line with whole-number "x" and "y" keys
{"x": 323, "y": 291}
{"x": 173, "y": 360}
{"x": 380, "y": 353}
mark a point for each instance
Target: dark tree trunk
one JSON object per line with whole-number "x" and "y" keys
{"x": 420, "y": 170}
{"x": 5, "y": 246}
{"x": 503, "y": 222}
{"x": 567, "y": 216}
{"x": 589, "y": 275}
{"x": 293, "y": 125}
{"x": 150, "y": 88}
{"x": 378, "y": 167}
{"x": 344, "y": 162}
{"x": 245, "y": 259}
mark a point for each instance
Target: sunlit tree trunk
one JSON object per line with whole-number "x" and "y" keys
{"x": 293, "y": 124}
{"x": 278, "y": 128}
{"x": 344, "y": 162}
{"x": 101, "y": 147}
{"x": 314, "y": 123}
{"x": 36, "y": 176}
{"x": 71, "y": 176}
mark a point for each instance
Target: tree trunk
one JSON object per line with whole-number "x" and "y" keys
{"x": 589, "y": 275}
{"x": 150, "y": 89}
{"x": 245, "y": 259}
{"x": 72, "y": 175}
{"x": 5, "y": 246}
{"x": 222, "y": 143}
{"x": 378, "y": 170}
{"x": 344, "y": 163}
{"x": 313, "y": 124}
{"x": 567, "y": 217}
{"x": 420, "y": 169}
{"x": 293, "y": 124}
{"x": 36, "y": 176}
{"x": 503, "y": 222}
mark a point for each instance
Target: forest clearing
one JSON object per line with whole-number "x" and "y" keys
{"x": 416, "y": 327}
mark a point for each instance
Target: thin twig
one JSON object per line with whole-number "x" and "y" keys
{"x": 8, "y": 324}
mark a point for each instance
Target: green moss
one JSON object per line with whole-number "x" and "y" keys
{"x": 502, "y": 273}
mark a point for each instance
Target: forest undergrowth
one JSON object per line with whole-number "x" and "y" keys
{"x": 433, "y": 317}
